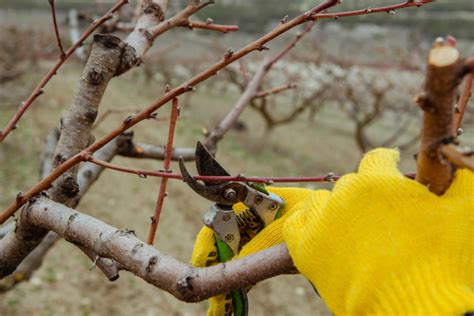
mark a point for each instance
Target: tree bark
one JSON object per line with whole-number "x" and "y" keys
{"x": 437, "y": 102}
{"x": 181, "y": 280}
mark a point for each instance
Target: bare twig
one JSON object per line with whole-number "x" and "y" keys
{"x": 166, "y": 166}
{"x": 180, "y": 19}
{"x": 387, "y": 9}
{"x": 113, "y": 111}
{"x": 268, "y": 180}
{"x": 292, "y": 44}
{"x": 275, "y": 90}
{"x": 210, "y": 26}
{"x": 56, "y": 30}
{"x": 39, "y": 88}
{"x": 460, "y": 108}
{"x": 123, "y": 26}
{"x": 243, "y": 70}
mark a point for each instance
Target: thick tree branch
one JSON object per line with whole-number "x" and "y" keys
{"x": 181, "y": 280}
{"x": 30, "y": 264}
{"x": 87, "y": 175}
{"x": 443, "y": 77}
{"x": 152, "y": 13}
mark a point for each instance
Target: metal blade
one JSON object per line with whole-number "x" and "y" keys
{"x": 215, "y": 193}
{"x": 207, "y": 165}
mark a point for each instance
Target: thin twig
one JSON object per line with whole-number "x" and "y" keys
{"x": 245, "y": 74}
{"x": 166, "y": 165}
{"x": 39, "y": 88}
{"x": 292, "y": 44}
{"x": 460, "y": 108}
{"x": 330, "y": 177}
{"x": 210, "y": 26}
{"x": 275, "y": 90}
{"x": 56, "y": 29}
{"x": 390, "y": 9}
{"x": 118, "y": 111}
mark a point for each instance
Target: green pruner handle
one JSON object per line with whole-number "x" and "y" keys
{"x": 239, "y": 297}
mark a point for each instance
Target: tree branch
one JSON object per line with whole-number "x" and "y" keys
{"x": 181, "y": 280}
{"x": 460, "y": 108}
{"x": 443, "y": 76}
{"x": 128, "y": 148}
{"x": 228, "y": 121}
{"x": 166, "y": 168}
{"x": 275, "y": 90}
{"x": 87, "y": 175}
{"x": 210, "y": 26}
{"x": 56, "y": 30}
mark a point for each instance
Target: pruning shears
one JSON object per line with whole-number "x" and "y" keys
{"x": 232, "y": 231}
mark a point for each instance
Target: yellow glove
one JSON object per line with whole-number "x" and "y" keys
{"x": 205, "y": 252}
{"x": 380, "y": 243}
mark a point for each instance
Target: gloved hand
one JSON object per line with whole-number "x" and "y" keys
{"x": 380, "y": 243}
{"x": 205, "y": 252}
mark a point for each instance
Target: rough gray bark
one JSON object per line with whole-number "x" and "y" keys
{"x": 88, "y": 174}
{"x": 181, "y": 280}
{"x": 152, "y": 12}
{"x": 102, "y": 65}
{"x": 32, "y": 262}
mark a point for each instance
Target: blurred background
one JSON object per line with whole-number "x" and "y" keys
{"x": 355, "y": 79}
